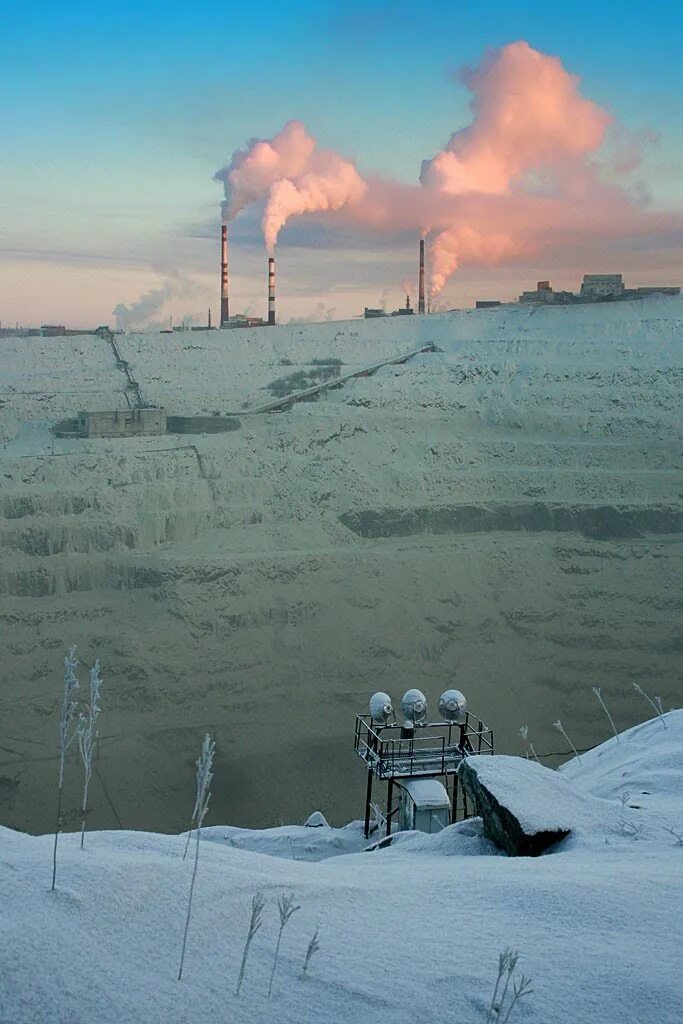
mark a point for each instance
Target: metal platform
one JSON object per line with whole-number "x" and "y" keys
{"x": 436, "y": 748}
{"x": 393, "y": 752}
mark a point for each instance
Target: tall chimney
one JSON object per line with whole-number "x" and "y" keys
{"x": 421, "y": 286}
{"x": 225, "y": 306}
{"x": 271, "y": 291}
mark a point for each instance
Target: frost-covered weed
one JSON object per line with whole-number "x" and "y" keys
{"x": 66, "y": 737}
{"x": 257, "y": 904}
{"x": 598, "y": 693}
{"x": 285, "y": 906}
{"x": 378, "y": 822}
{"x": 560, "y": 728}
{"x": 655, "y": 702}
{"x": 507, "y": 963}
{"x": 313, "y": 947}
{"x": 204, "y": 776}
{"x": 528, "y": 745}
{"x": 87, "y": 737}
{"x": 629, "y": 828}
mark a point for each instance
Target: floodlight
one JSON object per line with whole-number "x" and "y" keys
{"x": 381, "y": 708}
{"x": 414, "y": 704}
{"x": 453, "y": 707}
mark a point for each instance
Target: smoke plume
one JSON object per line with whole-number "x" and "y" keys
{"x": 530, "y": 172}
{"x": 528, "y": 115}
{"x": 152, "y": 302}
{"x": 292, "y": 175}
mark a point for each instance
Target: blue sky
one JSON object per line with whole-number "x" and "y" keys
{"x": 115, "y": 117}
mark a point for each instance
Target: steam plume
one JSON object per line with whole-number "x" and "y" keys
{"x": 149, "y": 304}
{"x": 292, "y": 175}
{"x": 528, "y": 115}
{"x": 531, "y": 171}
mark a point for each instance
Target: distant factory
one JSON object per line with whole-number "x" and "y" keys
{"x": 407, "y": 310}
{"x": 49, "y": 331}
{"x": 594, "y": 288}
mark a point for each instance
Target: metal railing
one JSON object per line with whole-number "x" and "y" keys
{"x": 436, "y": 748}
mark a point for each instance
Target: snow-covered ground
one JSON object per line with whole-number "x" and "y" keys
{"x": 409, "y": 934}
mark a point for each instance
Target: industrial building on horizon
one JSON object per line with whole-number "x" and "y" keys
{"x": 407, "y": 310}
{"x": 594, "y": 288}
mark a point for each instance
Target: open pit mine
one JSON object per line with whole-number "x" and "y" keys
{"x": 499, "y": 512}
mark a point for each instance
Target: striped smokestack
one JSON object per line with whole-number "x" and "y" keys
{"x": 225, "y": 306}
{"x": 271, "y": 291}
{"x": 421, "y": 285}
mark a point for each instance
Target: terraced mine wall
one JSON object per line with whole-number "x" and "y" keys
{"x": 503, "y": 516}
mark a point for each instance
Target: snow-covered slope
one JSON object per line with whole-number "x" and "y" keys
{"x": 504, "y": 516}
{"x": 407, "y": 934}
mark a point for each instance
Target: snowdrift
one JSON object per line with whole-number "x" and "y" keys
{"x": 407, "y": 934}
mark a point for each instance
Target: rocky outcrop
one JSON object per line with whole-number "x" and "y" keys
{"x": 525, "y": 807}
{"x": 595, "y": 522}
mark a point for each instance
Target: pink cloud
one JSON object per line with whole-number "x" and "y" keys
{"x": 528, "y": 115}
{"x": 292, "y": 175}
{"x": 530, "y": 173}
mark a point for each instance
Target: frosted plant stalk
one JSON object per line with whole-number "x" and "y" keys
{"x": 520, "y": 988}
{"x": 257, "y": 904}
{"x": 502, "y": 964}
{"x": 66, "y": 738}
{"x": 560, "y": 728}
{"x": 528, "y": 745}
{"x": 87, "y": 737}
{"x": 598, "y": 693}
{"x": 512, "y": 958}
{"x": 656, "y": 703}
{"x": 192, "y": 822}
{"x": 204, "y": 776}
{"x": 286, "y": 909}
{"x": 507, "y": 963}
{"x": 379, "y": 820}
{"x": 313, "y": 947}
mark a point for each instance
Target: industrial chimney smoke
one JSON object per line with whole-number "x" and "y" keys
{"x": 421, "y": 286}
{"x": 225, "y": 306}
{"x": 271, "y": 291}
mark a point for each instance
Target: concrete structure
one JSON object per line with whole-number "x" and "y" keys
{"x": 225, "y": 305}
{"x": 421, "y": 281}
{"x": 594, "y": 288}
{"x": 602, "y": 286}
{"x": 487, "y": 303}
{"x": 271, "y": 291}
{"x": 423, "y": 805}
{"x": 201, "y": 424}
{"x": 372, "y": 314}
{"x": 406, "y": 310}
{"x": 122, "y": 422}
{"x": 241, "y": 320}
{"x": 543, "y": 293}
{"x": 657, "y": 290}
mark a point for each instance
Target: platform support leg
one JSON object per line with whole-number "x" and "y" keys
{"x": 368, "y": 799}
{"x": 390, "y": 794}
{"x": 454, "y": 805}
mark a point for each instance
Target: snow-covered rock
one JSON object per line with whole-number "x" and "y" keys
{"x": 525, "y": 807}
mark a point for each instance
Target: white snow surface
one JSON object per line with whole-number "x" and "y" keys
{"x": 411, "y": 933}
{"x": 555, "y": 805}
